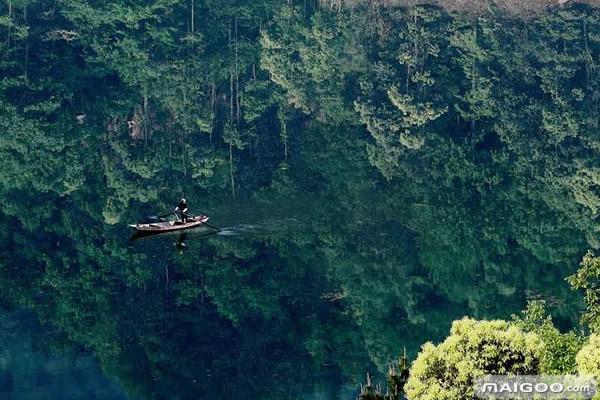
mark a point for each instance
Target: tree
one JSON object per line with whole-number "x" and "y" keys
{"x": 588, "y": 358}
{"x": 587, "y": 278}
{"x": 473, "y": 349}
{"x": 560, "y": 349}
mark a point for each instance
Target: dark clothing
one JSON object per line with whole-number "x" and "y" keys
{"x": 183, "y": 207}
{"x": 182, "y": 212}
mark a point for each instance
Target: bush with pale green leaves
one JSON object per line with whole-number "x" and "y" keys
{"x": 588, "y": 358}
{"x": 473, "y": 349}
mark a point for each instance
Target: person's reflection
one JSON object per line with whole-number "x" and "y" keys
{"x": 180, "y": 243}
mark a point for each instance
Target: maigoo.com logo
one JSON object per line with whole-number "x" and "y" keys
{"x": 535, "y": 387}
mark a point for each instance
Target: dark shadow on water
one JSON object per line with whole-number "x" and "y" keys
{"x": 197, "y": 234}
{"x": 266, "y": 227}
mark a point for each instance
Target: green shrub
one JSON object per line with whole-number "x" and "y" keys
{"x": 588, "y": 359}
{"x": 560, "y": 349}
{"x": 473, "y": 349}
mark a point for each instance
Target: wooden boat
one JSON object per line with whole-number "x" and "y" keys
{"x": 170, "y": 226}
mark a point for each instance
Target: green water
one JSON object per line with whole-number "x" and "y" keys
{"x": 375, "y": 172}
{"x": 297, "y": 295}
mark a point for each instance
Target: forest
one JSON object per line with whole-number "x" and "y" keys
{"x": 429, "y": 160}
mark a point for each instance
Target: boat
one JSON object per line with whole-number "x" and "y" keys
{"x": 170, "y": 226}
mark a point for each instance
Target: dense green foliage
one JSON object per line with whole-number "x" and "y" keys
{"x": 529, "y": 344}
{"x": 588, "y": 359}
{"x": 473, "y": 349}
{"x": 586, "y": 278}
{"x": 560, "y": 349}
{"x": 405, "y": 167}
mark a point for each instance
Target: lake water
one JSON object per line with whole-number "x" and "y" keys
{"x": 289, "y": 300}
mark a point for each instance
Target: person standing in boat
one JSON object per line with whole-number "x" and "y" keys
{"x": 182, "y": 210}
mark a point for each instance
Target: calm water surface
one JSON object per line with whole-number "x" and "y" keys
{"x": 287, "y": 301}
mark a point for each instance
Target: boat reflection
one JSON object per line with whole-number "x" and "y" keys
{"x": 180, "y": 237}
